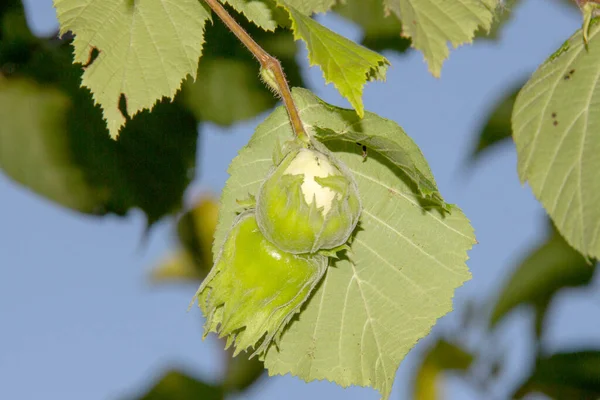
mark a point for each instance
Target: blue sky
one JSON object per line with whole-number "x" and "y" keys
{"x": 80, "y": 320}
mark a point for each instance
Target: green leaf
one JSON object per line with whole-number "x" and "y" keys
{"x": 180, "y": 386}
{"x": 572, "y": 375}
{"x": 227, "y": 88}
{"x": 556, "y": 128}
{"x": 308, "y": 7}
{"x": 504, "y": 13}
{"x": 32, "y": 140}
{"x": 63, "y": 151}
{"x": 441, "y": 357}
{"x": 380, "y": 31}
{"x": 405, "y": 263}
{"x": 548, "y": 269}
{"x": 497, "y": 128}
{"x": 256, "y": 11}
{"x": 241, "y": 373}
{"x": 145, "y": 49}
{"x": 382, "y": 136}
{"x": 344, "y": 63}
{"x": 431, "y": 24}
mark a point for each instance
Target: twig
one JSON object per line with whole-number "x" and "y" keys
{"x": 267, "y": 62}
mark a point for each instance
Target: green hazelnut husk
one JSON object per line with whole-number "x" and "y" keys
{"x": 309, "y": 202}
{"x": 254, "y": 288}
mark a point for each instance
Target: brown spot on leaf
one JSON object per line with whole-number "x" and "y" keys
{"x": 92, "y": 57}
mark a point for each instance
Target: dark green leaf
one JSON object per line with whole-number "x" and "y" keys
{"x": 56, "y": 143}
{"x": 574, "y": 375}
{"x": 553, "y": 266}
{"x": 380, "y": 32}
{"x": 242, "y": 372}
{"x": 227, "y": 88}
{"x": 176, "y": 385}
{"x": 497, "y": 128}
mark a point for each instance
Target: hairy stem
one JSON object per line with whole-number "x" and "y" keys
{"x": 267, "y": 62}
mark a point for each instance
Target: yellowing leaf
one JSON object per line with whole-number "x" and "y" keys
{"x": 145, "y": 49}
{"x": 556, "y": 128}
{"x": 344, "y": 63}
{"x": 431, "y": 24}
{"x": 441, "y": 357}
{"x": 196, "y": 230}
{"x": 178, "y": 266}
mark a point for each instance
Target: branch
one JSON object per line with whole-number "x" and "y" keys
{"x": 267, "y": 62}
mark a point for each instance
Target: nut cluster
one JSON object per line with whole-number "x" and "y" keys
{"x": 276, "y": 252}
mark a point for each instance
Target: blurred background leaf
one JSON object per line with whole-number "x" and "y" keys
{"x": 380, "y": 32}
{"x": 242, "y": 372}
{"x": 227, "y": 88}
{"x": 497, "y": 127}
{"x": 191, "y": 263}
{"x": 57, "y": 144}
{"x": 178, "y": 266}
{"x": 193, "y": 259}
{"x": 570, "y": 375}
{"x": 441, "y": 357}
{"x": 548, "y": 269}
{"x": 176, "y": 385}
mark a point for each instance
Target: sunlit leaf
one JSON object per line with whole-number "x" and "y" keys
{"x": 344, "y": 63}
{"x": 256, "y": 11}
{"x": 556, "y": 128}
{"x": 432, "y": 24}
{"x": 504, "y": 12}
{"x": 405, "y": 264}
{"x": 145, "y": 49}
{"x": 308, "y": 7}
